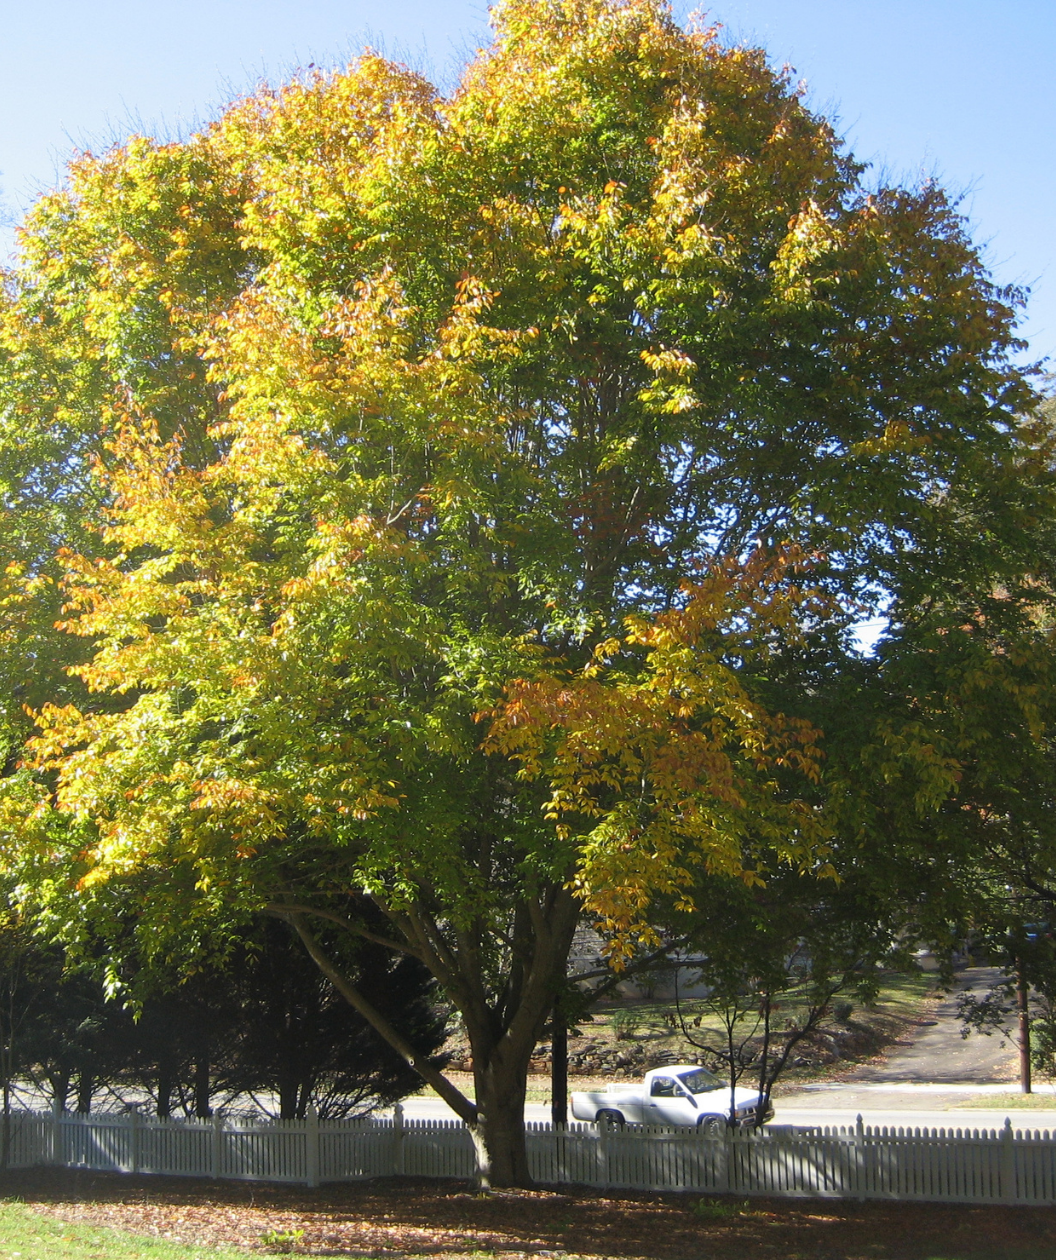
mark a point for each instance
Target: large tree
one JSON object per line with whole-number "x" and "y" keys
{"x": 487, "y": 486}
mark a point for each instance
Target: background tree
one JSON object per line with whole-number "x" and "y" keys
{"x": 184, "y": 1035}
{"x": 1020, "y": 1006}
{"x": 25, "y": 973}
{"x": 78, "y": 1044}
{"x": 773, "y": 959}
{"x": 300, "y": 1041}
{"x": 534, "y": 403}
{"x": 267, "y": 1024}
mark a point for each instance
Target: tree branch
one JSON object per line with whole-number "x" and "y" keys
{"x": 455, "y": 1099}
{"x": 282, "y": 910}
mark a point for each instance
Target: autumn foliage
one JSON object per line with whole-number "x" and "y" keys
{"x": 466, "y": 477}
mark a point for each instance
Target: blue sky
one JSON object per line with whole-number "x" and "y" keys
{"x": 963, "y": 90}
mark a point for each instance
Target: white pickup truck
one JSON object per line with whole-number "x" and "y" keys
{"x": 682, "y": 1094}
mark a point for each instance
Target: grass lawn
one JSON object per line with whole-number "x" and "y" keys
{"x": 1005, "y": 1102}
{"x": 29, "y": 1235}
{"x": 902, "y": 996}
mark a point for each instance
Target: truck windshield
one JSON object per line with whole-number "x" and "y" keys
{"x": 700, "y": 1081}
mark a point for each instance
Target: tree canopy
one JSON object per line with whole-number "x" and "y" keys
{"x": 485, "y": 488}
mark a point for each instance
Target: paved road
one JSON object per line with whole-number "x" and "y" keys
{"x": 432, "y": 1108}
{"x": 893, "y": 1110}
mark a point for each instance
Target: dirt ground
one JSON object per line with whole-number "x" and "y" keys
{"x": 448, "y": 1221}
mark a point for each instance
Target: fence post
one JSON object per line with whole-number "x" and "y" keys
{"x": 604, "y": 1133}
{"x": 311, "y": 1143}
{"x": 1008, "y": 1164}
{"x": 218, "y": 1144}
{"x": 398, "y": 1135}
{"x": 859, "y": 1159}
{"x": 729, "y": 1162}
{"x": 720, "y": 1160}
{"x": 137, "y": 1139}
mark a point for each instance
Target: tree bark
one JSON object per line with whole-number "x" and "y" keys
{"x": 289, "y": 1093}
{"x": 166, "y": 1084}
{"x": 559, "y": 1066}
{"x": 85, "y": 1090}
{"x": 201, "y": 1090}
{"x": 499, "y": 1137}
{"x": 500, "y": 1063}
{"x": 60, "y": 1090}
{"x": 1023, "y": 1002}
{"x": 5, "y": 1148}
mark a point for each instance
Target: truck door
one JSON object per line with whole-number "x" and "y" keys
{"x": 668, "y": 1103}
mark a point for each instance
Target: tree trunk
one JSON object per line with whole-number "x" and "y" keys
{"x": 165, "y": 1088}
{"x": 60, "y": 1090}
{"x": 1023, "y": 997}
{"x": 766, "y": 1082}
{"x": 85, "y": 1090}
{"x": 288, "y": 1096}
{"x": 559, "y": 1066}
{"x": 503, "y": 1028}
{"x": 5, "y": 1151}
{"x": 201, "y": 1090}
{"x": 498, "y": 1135}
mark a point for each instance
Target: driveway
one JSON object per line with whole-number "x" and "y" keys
{"x": 926, "y": 1078}
{"x": 936, "y": 1052}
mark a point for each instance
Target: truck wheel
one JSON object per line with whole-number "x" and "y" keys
{"x": 711, "y": 1126}
{"x": 609, "y": 1120}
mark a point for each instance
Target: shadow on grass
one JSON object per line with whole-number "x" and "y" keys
{"x": 405, "y": 1218}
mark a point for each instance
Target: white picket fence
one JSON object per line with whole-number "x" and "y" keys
{"x": 944, "y": 1165}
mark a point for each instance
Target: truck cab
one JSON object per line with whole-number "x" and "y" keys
{"x": 683, "y": 1094}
